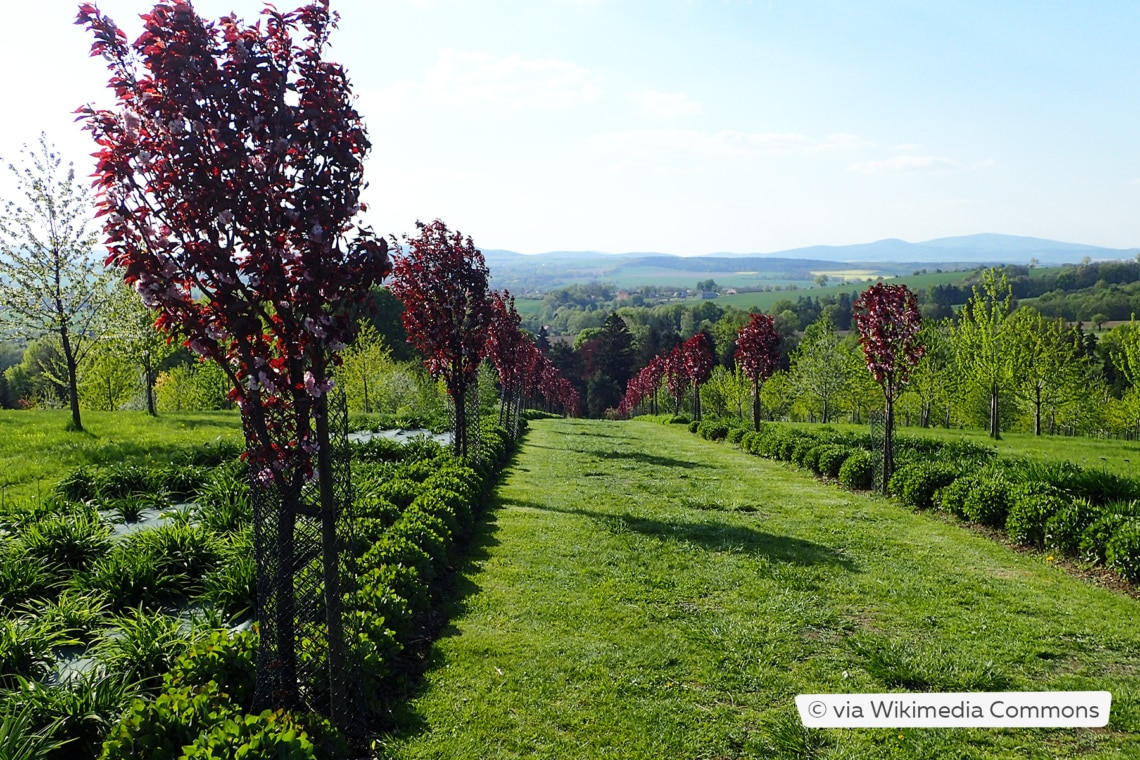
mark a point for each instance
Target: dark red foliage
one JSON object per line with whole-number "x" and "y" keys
{"x": 758, "y": 348}
{"x": 505, "y": 340}
{"x": 697, "y": 356}
{"x": 228, "y": 177}
{"x": 888, "y": 321}
{"x": 442, "y": 282}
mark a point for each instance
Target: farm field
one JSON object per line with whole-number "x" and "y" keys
{"x": 644, "y": 593}
{"x": 1119, "y": 456}
{"x": 36, "y": 451}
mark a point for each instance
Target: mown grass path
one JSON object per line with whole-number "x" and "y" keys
{"x": 641, "y": 593}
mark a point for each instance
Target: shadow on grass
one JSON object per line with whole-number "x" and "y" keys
{"x": 712, "y": 537}
{"x": 636, "y": 456}
{"x": 452, "y": 593}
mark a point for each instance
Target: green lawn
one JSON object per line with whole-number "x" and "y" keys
{"x": 36, "y": 450}
{"x": 641, "y": 593}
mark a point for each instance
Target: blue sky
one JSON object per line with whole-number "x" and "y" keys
{"x": 694, "y": 127}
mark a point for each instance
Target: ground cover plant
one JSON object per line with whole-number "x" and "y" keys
{"x": 648, "y": 594}
{"x": 152, "y": 611}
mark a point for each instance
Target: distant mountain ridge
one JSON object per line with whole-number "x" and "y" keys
{"x": 554, "y": 269}
{"x": 983, "y": 248}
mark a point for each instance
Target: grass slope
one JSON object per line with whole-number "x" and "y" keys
{"x": 36, "y": 450}
{"x": 647, "y": 594}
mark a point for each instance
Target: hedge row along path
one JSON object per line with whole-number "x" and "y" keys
{"x": 641, "y": 593}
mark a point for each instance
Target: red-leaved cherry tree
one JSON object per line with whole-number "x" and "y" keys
{"x": 442, "y": 281}
{"x": 228, "y": 178}
{"x": 758, "y": 356}
{"x": 888, "y": 321}
{"x": 698, "y": 360}
{"x": 505, "y": 348}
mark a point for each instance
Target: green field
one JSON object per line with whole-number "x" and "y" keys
{"x": 36, "y": 450}
{"x": 764, "y": 301}
{"x": 642, "y": 593}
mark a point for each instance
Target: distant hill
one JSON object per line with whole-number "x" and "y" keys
{"x": 545, "y": 271}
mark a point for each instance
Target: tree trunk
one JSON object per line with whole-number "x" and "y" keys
{"x": 367, "y": 406}
{"x": 1037, "y": 411}
{"x": 72, "y": 379}
{"x": 756, "y": 406}
{"x": 888, "y": 446}
{"x": 995, "y": 422}
{"x": 338, "y": 669}
{"x": 924, "y": 415}
{"x": 697, "y": 402}
{"x": 148, "y": 379}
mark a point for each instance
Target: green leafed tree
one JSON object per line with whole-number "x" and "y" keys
{"x": 821, "y": 368}
{"x": 1049, "y": 367}
{"x": 933, "y": 378}
{"x": 51, "y": 280}
{"x": 983, "y": 341}
{"x": 365, "y": 363}
{"x": 130, "y": 329}
{"x": 109, "y": 379}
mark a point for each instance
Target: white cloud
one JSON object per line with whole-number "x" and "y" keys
{"x": 460, "y": 78}
{"x": 669, "y": 104}
{"x": 722, "y": 143}
{"x": 908, "y": 163}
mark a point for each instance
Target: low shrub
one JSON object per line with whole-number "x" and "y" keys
{"x": 1094, "y": 539}
{"x": 858, "y": 471}
{"x": 1122, "y": 551}
{"x": 1063, "y": 530}
{"x": 229, "y": 660}
{"x": 712, "y": 430}
{"x": 916, "y": 483}
{"x": 693, "y": 425}
{"x": 800, "y": 448}
{"x": 988, "y": 501}
{"x": 831, "y": 459}
{"x": 811, "y": 458}
{"x": 1031, "y": 507}
{"x": 735, "y": 435}
{"x": 952, "y": 498}
{"x": 678, "y": 419}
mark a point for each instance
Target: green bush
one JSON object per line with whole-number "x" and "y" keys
{"x": 228, "y": 660}
{"x": 858, "y": 471}
{"x": 1064, "y": 529}
{"x": 1122, "y": 551}
{"x": 401, "y": 492}
{"x": 202, "y": 723}
{"x": 831, "y": 459}
{"x": 952, "y": 498}
{"x": 712, "y": 430}
{"x": 915, "y": 484}
{"x": 1032, "y": 506}
{"x": 693, "y": 425}
{"x": 678, "y": 419}
{"x": 1094, "y": 539}
{"x": 988, "y": 501}
{"x": 800, "y": 449}
{"x": 735, "y": 435}
{"x": 811, "y": 458}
